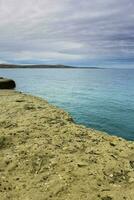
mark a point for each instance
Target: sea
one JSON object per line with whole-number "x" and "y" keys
{"x": 98, "y": 98}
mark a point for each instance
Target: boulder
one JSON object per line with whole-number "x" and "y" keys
{"x": 7, "y": 83}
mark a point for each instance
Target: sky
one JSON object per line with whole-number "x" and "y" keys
{"x": 70, "y": 32}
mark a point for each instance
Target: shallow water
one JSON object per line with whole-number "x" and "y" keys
{"x": 98, "y": 98}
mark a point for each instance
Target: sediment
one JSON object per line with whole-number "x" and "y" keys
{"x": 45, "y": 155}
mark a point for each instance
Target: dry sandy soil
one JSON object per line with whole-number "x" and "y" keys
{"x": 44, "y": 155}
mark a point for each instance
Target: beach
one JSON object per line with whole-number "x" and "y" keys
{"x": 45, "y": 155}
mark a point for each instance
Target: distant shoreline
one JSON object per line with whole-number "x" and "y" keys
{"x": 12, "y": 66}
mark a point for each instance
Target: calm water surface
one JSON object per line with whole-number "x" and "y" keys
{"x": 98, "y": 98}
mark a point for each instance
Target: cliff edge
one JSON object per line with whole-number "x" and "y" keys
{"x": 44, "y": 155}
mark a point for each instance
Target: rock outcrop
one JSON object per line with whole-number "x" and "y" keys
{"x": 7, "y": 83}
{"x": 45, "y": 156}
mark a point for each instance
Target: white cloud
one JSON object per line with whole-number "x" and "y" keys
{"x": 46, "y": 56}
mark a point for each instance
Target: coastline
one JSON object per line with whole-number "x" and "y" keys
{"x": 43, "y": 66}
{"x": 45, "y": 155}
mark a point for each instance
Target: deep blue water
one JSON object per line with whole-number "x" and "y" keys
{"x": 98, "y": 98}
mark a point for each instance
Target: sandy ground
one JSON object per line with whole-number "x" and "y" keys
{"x": 44, "y": 155}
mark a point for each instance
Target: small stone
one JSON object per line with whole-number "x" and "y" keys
{"x": 131, "y": 180}
{"x": 131, "y": 163}
{"x": 106, "y": 198}
{"x": 115, "y": 157}
{"x": 82, "y": 164}
{"x": 111, "y": 175}
{"x": 112, "y": 144}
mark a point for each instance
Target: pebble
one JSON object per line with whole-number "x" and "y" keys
{"x": 131, "y": 180}
{"x": 111, "y": 175}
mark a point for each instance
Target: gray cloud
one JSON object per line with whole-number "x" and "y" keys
{"x": 69, "y": 31}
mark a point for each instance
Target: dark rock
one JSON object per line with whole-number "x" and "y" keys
{"x": 112, "y": 144}
{"x": 7, "y": 83}
{"x": 106, "y": 198}
{"x": 132, "y": 163}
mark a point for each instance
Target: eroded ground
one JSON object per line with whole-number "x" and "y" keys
{"x": 45, "y": 156}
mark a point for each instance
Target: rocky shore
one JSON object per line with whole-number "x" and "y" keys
{"x": 44, "y": 155}
{"x": 7, "y": 83}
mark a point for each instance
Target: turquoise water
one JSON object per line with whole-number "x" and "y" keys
{"x": 98, "y": 98}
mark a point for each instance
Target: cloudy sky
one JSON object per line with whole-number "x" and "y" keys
{"x": 73, "y": 32}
